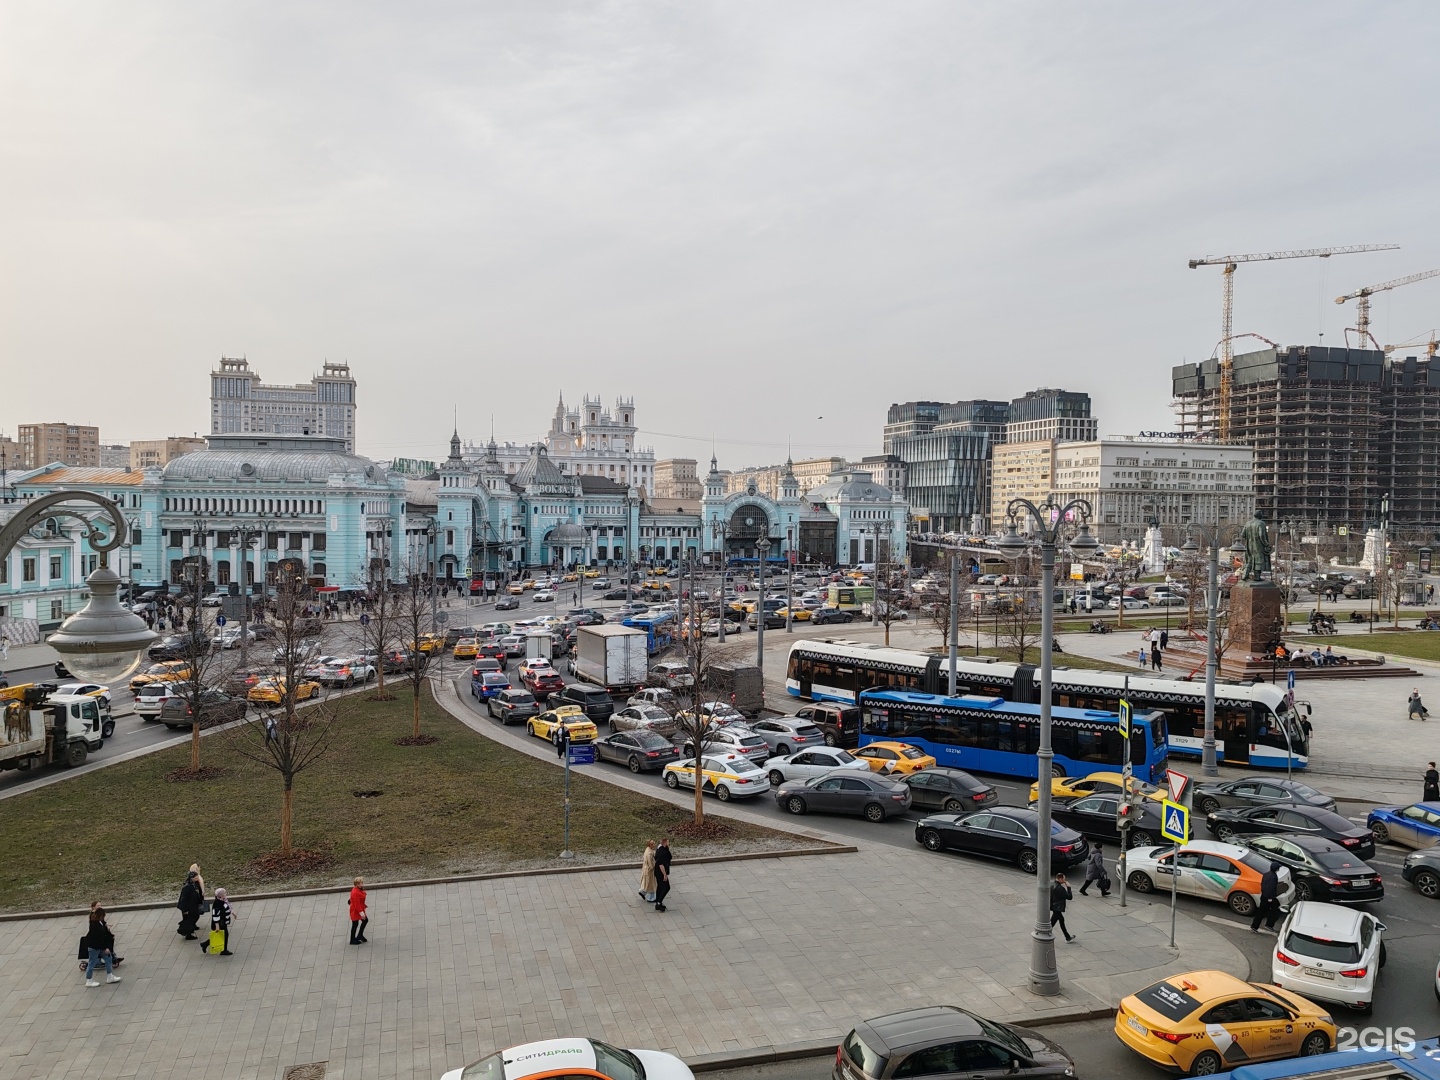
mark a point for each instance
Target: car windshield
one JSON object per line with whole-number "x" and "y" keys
{"x": 843, "y": 758}
{"x": 1003, "y": 1035}
{"x": 743, "y": 765}
{"x": 911, "y": 753}
{"x": 518, "y": 697}
{"x": 752, "y": 740}
{"x": 1338, "y": 860}
{"x": 1305, "y": 792}
{"x": 490, "y": 1068}
{"x": 1342, "y": 952}
{"x": 617, "y": 1064}
{"x": 1257, "y": 863}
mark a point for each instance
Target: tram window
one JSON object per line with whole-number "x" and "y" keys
{"x": 1062, "y": 741}
{"x": 966, "y": 730}
{"x": 989, "y": 735}
{"x": 1005, "y": 737}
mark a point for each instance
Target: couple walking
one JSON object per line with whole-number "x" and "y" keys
{"x": 192, "y": 907}
{"x": 655, "y": 873}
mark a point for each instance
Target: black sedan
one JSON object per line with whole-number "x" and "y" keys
{"x": 639, "y": 751}
{"x": 507, "y": 603}
{"x": 1422, "y": 869}
{"x": 1322, "y": 870}
{"x": 1232, "y": 826}
{"x": 1097, "y": 816}
{"x": 871, "y": 796}
{"x": 1002, "y": 832}
{"x": 1259, "y": 791}
{"x": 948, "y": 789}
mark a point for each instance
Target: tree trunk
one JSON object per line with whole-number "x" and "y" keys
{"x": 699, "y": 797}
{"x": 286, "y": 816}
{"x": 380, "y": 674}
{"x": 416, "y": 726}
{"x": 195, "y": 745}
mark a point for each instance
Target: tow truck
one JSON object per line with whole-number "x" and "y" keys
{"x": 42, "y": 727}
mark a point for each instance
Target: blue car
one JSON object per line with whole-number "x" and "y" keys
{"x": 1416, "y": 825}
{"x": 487, "y": 684}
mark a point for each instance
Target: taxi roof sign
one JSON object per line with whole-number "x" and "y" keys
{"x": 1175, "y": 822}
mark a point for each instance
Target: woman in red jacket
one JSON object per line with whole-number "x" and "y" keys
{"x": 358, "y": 917}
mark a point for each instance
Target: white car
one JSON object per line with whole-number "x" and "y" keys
{"x": 86, "y": 689}
{"x": 342, "y": 671}
{"x": 543, "y": 596}
{"x": 1131, "y": 604}
{"x": 657, "y": 696}
{"x": 808, "y": 763}
{"x": 733, "y": 739}
{"x": 726, "y": 776}
{"x": 787, "y": 734}
{"x": 580, "y": 1057}
{"x": 1329, "y": 953}
{"x": 228, "y": 637}
{"x": 150, "y": 698}
{"x": 1208, "y": 869}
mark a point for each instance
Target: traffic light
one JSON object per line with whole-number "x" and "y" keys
{"x": 1125, "y": 814}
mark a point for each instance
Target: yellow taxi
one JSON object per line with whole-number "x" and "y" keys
{"x": 169, "y": 671}
{"x": 571, "y": 576}
{"x": 271, "y": 691}
{"x": 529, "y": 583}
{"x": 516, "y": 589}
{"x": 726, "y": 776}
{"x": 660, "y": 571}
{"x": 1207, "y": 1021}
{"x": 429, "y": 643}
{"x": 467, "y": 648}
{"x": 894, "y": 757}
{"x": 589, "y": 573}
{"x": 1072, "y": 787}
{"x": 800, "y": 614}
{"x": 572, "y": 717}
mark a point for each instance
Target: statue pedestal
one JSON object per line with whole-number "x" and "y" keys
{"x": 1255, "y": 617}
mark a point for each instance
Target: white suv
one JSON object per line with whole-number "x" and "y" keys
{"x": 149, "y": 699}
{"x": 1329, "y": 952}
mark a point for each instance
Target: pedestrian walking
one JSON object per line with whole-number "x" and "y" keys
{"x": 1417, "y": 707}
{"x": 1164, "y": 640}
{"x": 1142, "y": 657}
{"x": 1432, "y": 785}
{"x": 1269, "y": 908}
{"x": 191, "y": 904}
{"x": 359, "y": 914}
{"x": 99, "y": 948}
{"x": 4, "y": 646}
{"x": 662, "y": 873}
{"x": 561, "y": 738}
{"x": 1060, "y": 895}
{"x": 647, "y": 872}
{"x": 1155, "y": 657}
{"x": 1095, "y": 871}
{"x": 221, "y": 916}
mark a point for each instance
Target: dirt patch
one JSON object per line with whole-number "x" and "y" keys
{"x": 709, "y": 829}
{"x": 272, "y": 866}
{"x": 418, "y": 740}
{"x": 186, "y": 775}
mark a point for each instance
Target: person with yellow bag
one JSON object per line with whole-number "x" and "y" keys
{"x": 221, "y": 916}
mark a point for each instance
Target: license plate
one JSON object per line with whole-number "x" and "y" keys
{"x": 1318, "y": 974}
{"x": 1137, "y": 1025}
{"x": 1360, "y": 883}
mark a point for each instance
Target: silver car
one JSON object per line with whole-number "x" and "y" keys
{"x": 657, "y": 696}
{"x": 734, "y": 739}
{"x": 787, "y": 734}
{"x": 644, "y": 718}
{"x": 513, "y": 706}
{"x": 149, "y": 699}
{"x": 811, "y": 763}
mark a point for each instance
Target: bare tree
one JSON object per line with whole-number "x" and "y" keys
{"x": 886, "y": 604}
{"x": 1193, "y": 572}
{"x": 379, "y": 621}
{"x": 413, "y": 615}
{"x": 1020, "y": 631}
{"x": 204, "y": 664}
{"x": 701, "y": 655}
{"x": 289, "y": 739}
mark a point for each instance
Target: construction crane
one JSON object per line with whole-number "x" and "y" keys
{"x": 1227, "y": 311}
{"x": 1431, "y": 348}
{"x": 1362, "y": 309}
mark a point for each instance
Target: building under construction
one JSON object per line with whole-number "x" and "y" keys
{"x": 1333, "y": 431}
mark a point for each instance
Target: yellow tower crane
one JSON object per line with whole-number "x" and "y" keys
{"x": 1227, "y": 311}
{"x": 1431, "y": 347}
{"x": 1362, "y": 309}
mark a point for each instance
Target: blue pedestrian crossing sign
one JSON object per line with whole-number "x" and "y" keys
{"x": 1175, "y": 822}
{"x": 1124, "y": 714}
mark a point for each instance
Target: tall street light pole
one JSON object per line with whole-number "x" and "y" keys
{"x": 720, "y": 530}
{"x": 1048, "y": 522}
{"x": 762, "y": 546}
{"x": 1211, "y": 536}
{"x": 789, "y": 580}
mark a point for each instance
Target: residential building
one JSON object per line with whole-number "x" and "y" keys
{"x": 157, "y": 453}
{"x": 675, "y": 478}
{"x": 1131, "y": 483}
{"x": 114, "y": 456}
{"x": 887, "y": 469}
{"x": 588, "y": 441}
{"x": 9, "y": 454}
{"x": 1020, "y": 470}
{"x": 67, "y": 444}
{"x": 769, "y": 479}
{"x": 240, "y": 404}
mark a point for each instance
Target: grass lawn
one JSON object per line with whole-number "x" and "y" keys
{"x": 463, "y": 805}
{"x": 1418, "y": 644}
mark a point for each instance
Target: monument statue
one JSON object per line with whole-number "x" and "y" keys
{"x": 1257, "y": 549}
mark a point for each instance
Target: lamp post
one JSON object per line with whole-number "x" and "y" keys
{"x": 789, "y": 580}
{"x": 102, "y": 642}
{"x": 720, "y": 530}
{"x": 1048, "y": 521}
{"x": 432, "y": 538}
{"x": 1211, "y": 536}
{"x": 240, "y": 541}
{"x": 875, "y": 589}
{"x": 762, "y": 546}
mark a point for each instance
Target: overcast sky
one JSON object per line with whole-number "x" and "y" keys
{"x": 765, "y": 221}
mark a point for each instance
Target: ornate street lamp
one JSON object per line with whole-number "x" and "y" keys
{"x": 1048, "y": 520}
{"x": 103, "y": 642}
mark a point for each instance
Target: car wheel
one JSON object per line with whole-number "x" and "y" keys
{"x": 672, "y": 781}
{"x": 1028, "y": 861}
{"x": 1380, "y": 832}
{"x": 722, "y": 793}
{"x": 1225, "y": 834}
{"x": 1303, "y": 891}
{"x": 931, "y": 839}
{"x": 1141, "y": 883}
{"x": 830, "y": 739}
{"x": 530, "y": 730}
{"x": 1382, "y": 954}
{"x": 953, "y": 805}
{"x": 107, "y": 729}
{"x": 1207, "y": 1063}
{"x": 1209, "y": 805}
{"x": 795, "y": 804}
{"x": 349, "y": 682}
{"x": 1141, "y": 838}
{"x": 1057, "y": 771}
{"x": 1242, "y": 903}
{"x": 776, "y": 778}
{"x": 1427, "y": 883}
{"x": 1317, "y": 1042}
{"x": 783, "y": 750}
{"x": 75, "y": 755}
{"x": 634, "y": 763}
{"x": 874, "y": 812}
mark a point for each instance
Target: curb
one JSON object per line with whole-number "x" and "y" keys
{"x": 770, "y": 1055}
{"x": 551, "y": 871}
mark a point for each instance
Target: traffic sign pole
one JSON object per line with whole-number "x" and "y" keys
{"x": 1174, "y": 825}
{"x": 1124, "y": 723}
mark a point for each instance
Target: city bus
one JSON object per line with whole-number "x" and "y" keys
{"x": 1255, "y": 724}
{"x": 849, "y": 597}
{"x": 992, "y": 735}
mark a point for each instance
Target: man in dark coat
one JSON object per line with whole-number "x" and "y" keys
{"x": 1269, "y": 909}
{"x": 662, "y": 873}
{"x": 1432, "y": 785}
{"x": 192, "y": 902}
{"x": 1060, "y": 894}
